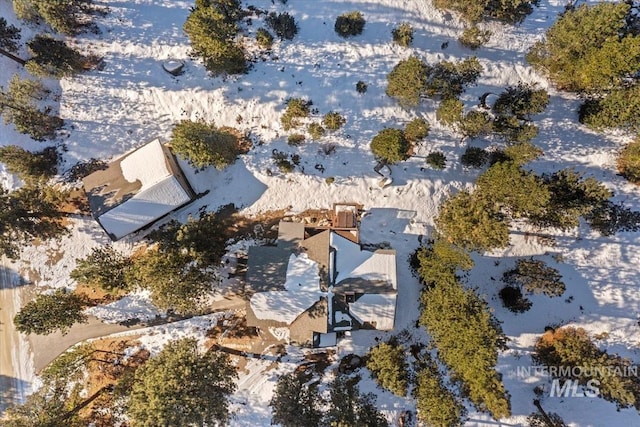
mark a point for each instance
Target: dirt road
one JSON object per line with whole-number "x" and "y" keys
{"x": 15, "y": 362}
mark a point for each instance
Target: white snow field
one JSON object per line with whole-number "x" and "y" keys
{"x": 133, "y": 100}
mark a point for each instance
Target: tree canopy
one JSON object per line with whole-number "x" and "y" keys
{"x": 512, "y": 11}
{"x": 9, "y": 36}
{"x": 50, "y": 312}
{"x": 590, "y": 48}
{"x": 64, "y": 16}
{"x": 296, "y": 401}
{"x": 203, "y": 144}
{"x": 387, "y": 363}
{"x": 54, "y": 58}
{"x": 437, "y": 406}
{"x": 468, "y": 338}
{"x": 105, "y": 268}
{"x": 472, "y": 223}
{"x": 18, "y": 106}
{"x": 183, "y": 387}
{"x": 26, "y": 214}
{"x": 174, "y": 281}
{"x": 390, "y": 145}
{"x": 32, "y": 168}
{"x": 212, "y": 28}
{"x": 349, "y": 407}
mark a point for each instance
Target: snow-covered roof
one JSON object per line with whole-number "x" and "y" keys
{"x": 302, "y": 291}
{"x": 354, "y": 263}
{"x": 136, "y": 190}
{"x": 375, "y": 308}
{"x": 145, "y": 207}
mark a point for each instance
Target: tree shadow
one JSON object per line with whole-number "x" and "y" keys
{"x": 12, "y": 392}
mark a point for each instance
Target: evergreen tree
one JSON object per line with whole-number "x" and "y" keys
{"x": 173, "y": 279}
{"x": 264, "y": 38}
{"x": 472, "y": 223}
{"x": 403, "y": 34}
{"x": 448, "y": 79}
{"x": 50, "y": 405}
{"x": 182, "y": 387}
{"x": 629, "y": 162}
{"x": 316, "y": 131}
{"x": 590, "y": 48}
{"x": 436, "y": 405}
{"x": 572, "y": 197}
{"x": 105, "y": 268}
{"x": 468, "y": 338}
{"x": 535, "y": 277}
{"x": 474, "y": 157}
{"x": 390, "y": 145}
{"x": 349, "y": 24}
{"x": 522, "y": 153}
{"x": 475, "y": 124}
{"x": 473, "y": 37}
{"x": 513, "y": 130}
{"x": 53, "y": 58}
{"x": 437, "y": 160}
{"x": 439, "y": 261}
{"x": 387, "y": 363}
{"x": 297, "y": 108}
{"x": 17, "y": 106}
{"x": 60, "y": 397}
{"x": 64, "y": 16}
{"x": 26, "y": 214}
{"x": 296, "y": 401}
{"x": 203, "y": 144}
{"x": 347, "y": 407}
{"x": 407, "y": 81}
{"x": 570, "y": 347}
{"x": 450, "y": 111}
{"x": 31, "y": 168}
{"x": 283, "y": 24}
{"x": 333, "y": 120}
{"x": 521, "y": 101}
{"x": 203, "y": 239}
{"x": 513, "y": 190}
{"x": 416, "y": 130}
{"x": 212, "y": 27}
{"x": 619, "y": 108}
{"x": 9, "y": 36}
{"x": 49, "y": 313}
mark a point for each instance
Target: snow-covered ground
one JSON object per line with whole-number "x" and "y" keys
{"x": 132, "y": 101}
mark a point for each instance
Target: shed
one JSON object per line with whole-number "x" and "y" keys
{"x": 137, "y": 189}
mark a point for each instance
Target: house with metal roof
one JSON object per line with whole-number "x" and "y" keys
{"x": 137, "y": 189}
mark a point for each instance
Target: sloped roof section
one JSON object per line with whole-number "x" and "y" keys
{"x": 365, "y": 269}
{"x": 376, "y": 309}
{"x": 302, "y": 290}
{"x": 137, "y": 189}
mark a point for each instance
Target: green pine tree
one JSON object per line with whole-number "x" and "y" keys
{"x": 50, "y": 312}
{"x": 296, "y": 401}
{"x": 204, "y": 145}
{"x": 105, "y": 268}
{"x": 183, "y": 387}
{"x": 436, "y": 405}
{"x": 388, "y": 365}
{"x": 390, "y": 145}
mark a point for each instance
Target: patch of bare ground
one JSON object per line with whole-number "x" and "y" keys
{"x": 233, "y": 333}
{"x": 109, "y": 374}
{"x": 317, "y": 362}
{"x": 94, "y": 295}
{"x": 262, "y": 225}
